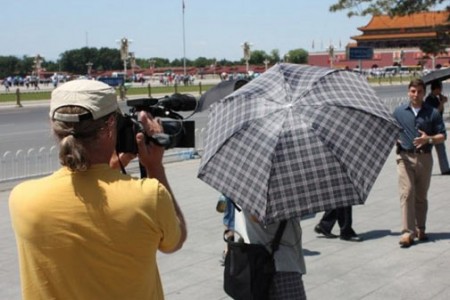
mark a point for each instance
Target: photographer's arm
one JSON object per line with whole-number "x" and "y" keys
{"x": 151, "y": 157}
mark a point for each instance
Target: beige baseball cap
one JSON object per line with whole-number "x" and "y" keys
{"x": 97, "y": 97}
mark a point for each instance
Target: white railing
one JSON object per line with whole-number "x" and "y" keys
{"x": 39, "y": 162}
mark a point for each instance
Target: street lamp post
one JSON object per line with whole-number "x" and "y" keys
{"x": 331, "y": 55}
{"x": 37, "y": 64}
{"x": 152, "y": 65}
{"x": 214, "y": 67}
{"x": 266, "y": 62}
{"x": 124, "y": 44}
{"x": 247, "y": 53}
{"x": 132, "y": 63}
{"x": 89, "y": 68}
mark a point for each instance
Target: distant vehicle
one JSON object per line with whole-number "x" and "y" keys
{"x": 112, "y": 81}
{"x": 390, "y": 71}
{"x": 376, "y": 72}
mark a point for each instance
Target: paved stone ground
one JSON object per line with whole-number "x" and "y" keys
{"x": 377, "y": 268}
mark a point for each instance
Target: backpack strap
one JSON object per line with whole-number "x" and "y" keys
{"x": 278, "y": 235}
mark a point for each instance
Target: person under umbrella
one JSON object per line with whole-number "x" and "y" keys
{"x": 294, "y": 141}
{"x": 287, "y": 282}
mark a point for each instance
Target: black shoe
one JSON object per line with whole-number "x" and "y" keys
{"x": 319, "y": 229}
{"x": 446, "y": 173}
{"x": 351, "y": 237}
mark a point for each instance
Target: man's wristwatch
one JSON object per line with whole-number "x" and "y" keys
{"x": 430, "y": 140}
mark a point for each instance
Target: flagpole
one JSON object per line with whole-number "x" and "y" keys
{"x": 184, "y": 43}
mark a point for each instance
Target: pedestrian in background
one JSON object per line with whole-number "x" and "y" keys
{"x": 87, "y": 231}
{"x": 343, "y": 215}
{"x": 226, "y": 206}
{"x": 437, "y": 100}
{"x": 422, "y": 128}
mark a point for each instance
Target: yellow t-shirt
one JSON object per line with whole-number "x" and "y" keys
{"x": 92, "y": 235}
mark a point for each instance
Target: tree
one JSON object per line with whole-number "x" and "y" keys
{"x": 274, "y": 56}
{"x": 107, "y": 59}
{"x": 74, "y": 61}
{"x": 160, "y": 62}
{"x": 298, "y": 56}
{"x": 9, "y": 66}
{"x": 202, "y": 62}
{"x": 26, "y": 65}
{"x": 389, "y": 7}
{"x": 257, "y": 57}
{"x": 224, "y": 62}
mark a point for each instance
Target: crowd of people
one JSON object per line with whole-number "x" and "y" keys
{"x": 90, "y": 232}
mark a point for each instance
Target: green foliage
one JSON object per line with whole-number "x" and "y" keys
{"x": 224, "y": 62}
{"x": 298, "y": 56}
{"x": 74, "y": 61}
{"x": 202, "y": 62}
{"x": 257, "y": 57}
{"x": 160, "y": 62}
{"x": 389, "y": 7}
{"x": 274, "y": 56}
{"x": 9, "y": 65}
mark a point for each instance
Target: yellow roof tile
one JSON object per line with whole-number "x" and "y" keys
{"x": 424, "y": 19}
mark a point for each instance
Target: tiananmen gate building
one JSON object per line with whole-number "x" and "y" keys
{"x": 395, "y": 41}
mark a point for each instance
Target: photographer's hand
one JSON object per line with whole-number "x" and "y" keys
{"x": 150, "y": 157}
{"x": 121, "y": 160}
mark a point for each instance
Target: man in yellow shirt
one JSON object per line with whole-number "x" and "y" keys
{"x": 87, "y": 231}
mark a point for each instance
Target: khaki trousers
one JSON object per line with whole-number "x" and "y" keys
{"x": 414, "y": 174}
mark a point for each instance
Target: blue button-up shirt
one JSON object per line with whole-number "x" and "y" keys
{"x": 428, "y": 120}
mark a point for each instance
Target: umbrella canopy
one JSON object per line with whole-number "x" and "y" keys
{"x": 441, "y": 74}
{"x": 219, "y": 91}
{"x": 297, "y": 140}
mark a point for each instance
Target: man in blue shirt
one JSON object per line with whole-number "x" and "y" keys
{"x": 422, "y": 128}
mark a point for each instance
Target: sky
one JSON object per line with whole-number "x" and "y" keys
{"x": 212, "y": 28}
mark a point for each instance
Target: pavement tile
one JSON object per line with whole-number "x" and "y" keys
{"x": 374, "y": 269}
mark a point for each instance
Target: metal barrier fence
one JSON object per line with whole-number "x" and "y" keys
{"x": 39, "y": 162}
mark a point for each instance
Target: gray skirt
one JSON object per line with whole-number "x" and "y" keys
{"x": 287, "y": 286}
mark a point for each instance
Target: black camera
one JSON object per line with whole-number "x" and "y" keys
{"x": 178, "y": 132}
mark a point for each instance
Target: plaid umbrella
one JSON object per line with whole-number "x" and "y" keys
{"x": 297, "y": 140}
